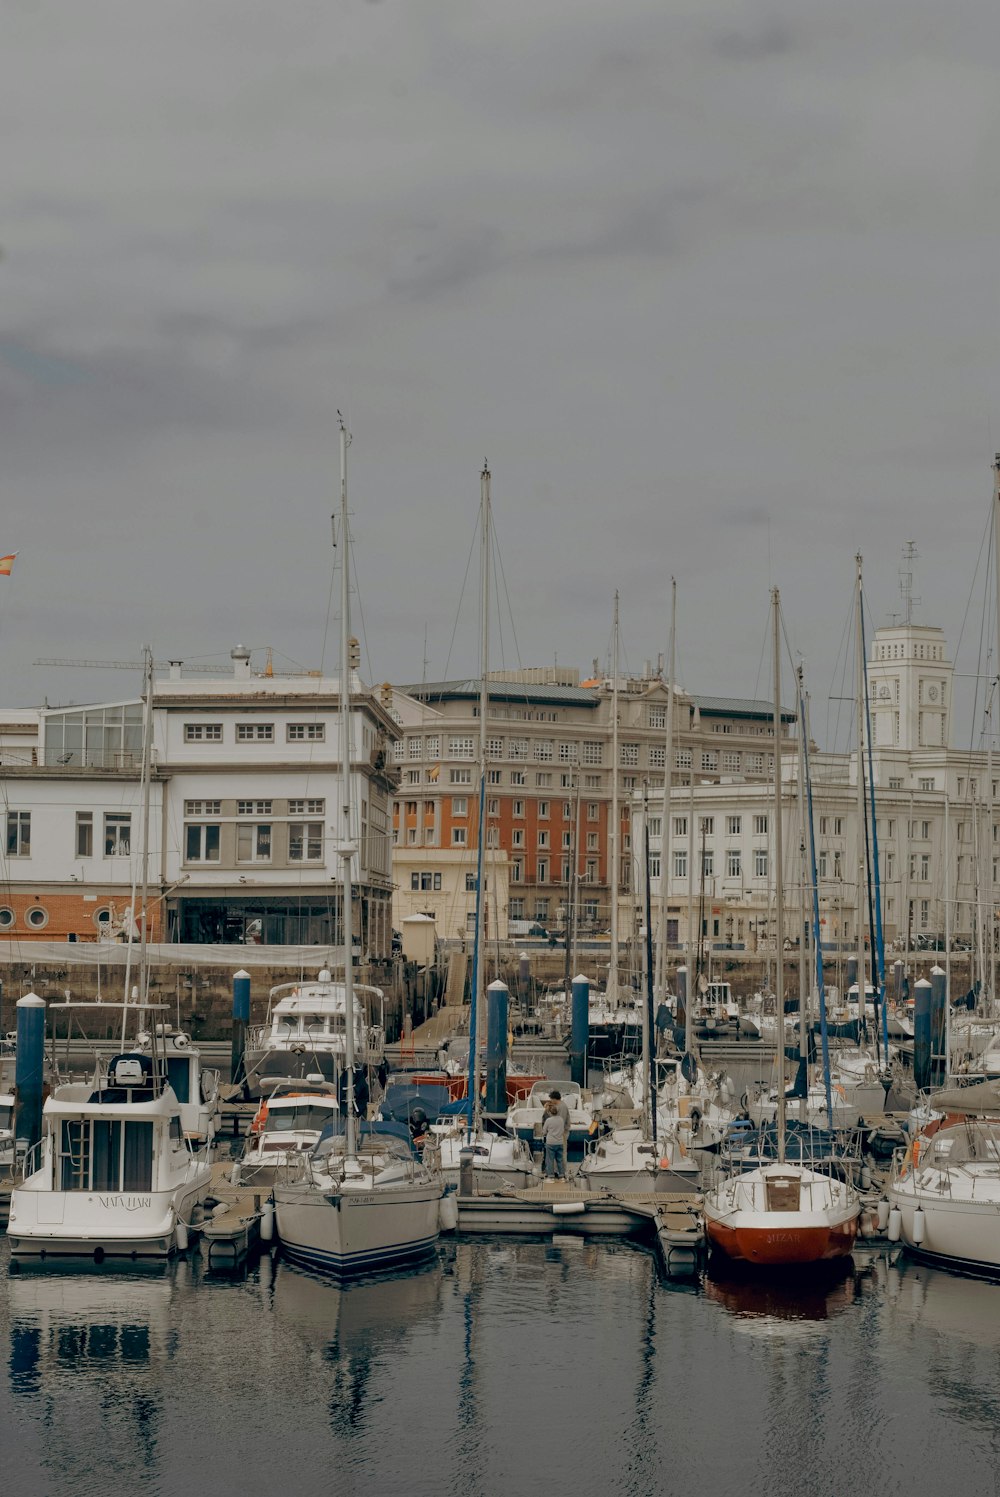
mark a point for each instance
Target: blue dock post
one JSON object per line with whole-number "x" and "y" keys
{"x": 939, "y": 1003}
{"x": 497, "y": 1001}
{"x": 241, "y": 1018}
{"x": 579, "y": 1037}
{"x": 29, "y": 1073}
{"x": 922, "y": 1034}
{"x": 680, "y": 1016}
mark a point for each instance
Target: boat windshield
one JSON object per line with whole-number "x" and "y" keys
{"x": 6, "y": 1114}
{"x": 371, "y": 1148}
{"x": 972, "y": 1144}
{"x": 305, "y": 1117}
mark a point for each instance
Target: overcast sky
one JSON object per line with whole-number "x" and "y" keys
{"x": 712, "y": 285}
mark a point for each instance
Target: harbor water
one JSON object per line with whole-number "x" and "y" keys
{"x": 522, "y": 1367}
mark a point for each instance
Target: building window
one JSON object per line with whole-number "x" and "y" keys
{"x": 308, "y": 733}
{"x": 414, "y": 748}
{"x": 592, "y": 842}
{"x": 255, "y": 732}
{"x": 517, "y": 837}
{"x": 760, "y": 862}
{"x": 682, "y": 759}
{"x": 567, "y": 840}
{"x": 305, "y": 807}
{"x": 709, "y": 759}
{"x": 708, "y": 863}
{"x": 117, "y": 834}
{"x": 84, "y": 834}
{"x": 822, "y": 865}
{"x": 492, "y": 836}
{"x": 517, "y": 777}
{"x": 460, "y": 777}
{"x": 494, "y": 748}
{"x": 519, "y": 808}
{"x": 461, "y": 748}
{"x": 680, "y": 826}
{"x": 7, "y": 917}
{"x": 657, "y": 717}
{"x": 518, "y": 748}
{"x": 37, "y": 917}
{"x": 591, "y": 873}
{"x": 543, "y": 750}
{"x": 567, "y": 753}
{"x": 493, "y": 806}
{"x": 517, "y": 871}
{"x": 680, "y": 862}
{"x": 593, "y": 810}
{"x": 706, "y": 825}
{"x": 734, "y": 826}
{"x": 305, "y": 841}
{"x": 734, "y": 863}
{"x": 657, "y": 756}
{"x": 543, "y": 780}
{"x": 253, "y": 843}
{"x": 543, "y": 837}
{"x": 754, "y": 764}
{"x": 731, "y": 763}
{"x": 592, "y": 782}
{"x": 203, "y": 808}
{"x": 18, "y": 834}
{"x": 202, "y": 732}
{"x": 458, "y": 836}
{"x": 201, "y": 843}
{"x": 494, "y": 777}
{"x": 628, "y": 755}
{"x": 760, "y": 825}
{"x": 516, "y": 910}
{"x": 543, "y": 809}
{"x": 926, "y": 784}
{"x": 542, "y": 872}
{"x": 460, "y": 805}
{"x": 414, "y": 776}
{"x": 593, "y": 753}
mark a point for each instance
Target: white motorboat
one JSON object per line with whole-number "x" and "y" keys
{"x": 195, "y": 1086}
{"x": 525, "y": 1118}
{"x": 289, "y": 1122}
{"x": 113, "y": 1175}
{"x": 946, "y": 1187}
{"x": 304, "y": 1032}
{"x": 626, "y": 1161}
{"x": 499, "y": 1161}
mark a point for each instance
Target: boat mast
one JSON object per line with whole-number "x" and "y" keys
{"x": 861, "y": 809}
{"x": 779, "y": 984}
{"x": 805, "y": 1006}
{"x": 996, "y": 561}
{"x": 611, "y": 987}
{"x": 478, "y": 954}
{"x": 668, "y": 764}
{"x": 346, "y": 847}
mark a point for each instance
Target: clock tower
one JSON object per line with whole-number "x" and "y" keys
{"x": 909, "y": 687}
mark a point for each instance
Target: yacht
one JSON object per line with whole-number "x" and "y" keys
{"x": 113, "y": 1175}
{"x": 626, "y": 1161}
{"x": 525, "y": 1118}
{"x": 288, "y": 1122}
{"x": 782, "y": 1214}
{"x": 946, "y": 1187}
{"x": 499, "y": 1161}
{"x": 195, "y": 1086}
{"x": 304, "y": 1032}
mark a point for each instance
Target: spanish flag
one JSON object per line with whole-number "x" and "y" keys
{"x": 6, "y": 563}
{"x": 433, "y": 772}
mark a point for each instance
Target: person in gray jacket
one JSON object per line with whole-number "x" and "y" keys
{"x": 554, "y": 1139}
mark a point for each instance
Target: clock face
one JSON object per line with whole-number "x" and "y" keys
{"x": 932, "y": 692}
{"x": 883, "y": 692}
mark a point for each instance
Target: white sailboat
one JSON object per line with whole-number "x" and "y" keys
{"x": 355, "y": 1203}
{"x": 782, "y": 1213}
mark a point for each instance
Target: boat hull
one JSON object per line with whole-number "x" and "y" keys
{"x": 775, "y": 1246}
{"x": 355, "y": 1232}
{"x": 126, "y": 1225}
{"x": 957, "y": 1233}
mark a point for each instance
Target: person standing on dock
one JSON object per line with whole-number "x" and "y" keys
{"x": 562, "y": 1109}
{"x": 554, "y": 1138}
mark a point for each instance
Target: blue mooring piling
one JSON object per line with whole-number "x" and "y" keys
{"x": 241, "y": 1018}
{"x": 29, "y": 1072}
{"x": 579, "y": 1038}
{"x": 497, "y": 1004}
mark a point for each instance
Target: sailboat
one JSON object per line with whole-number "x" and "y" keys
{"x": 782, "y": 1213}
{"x": 498, "y": 1160}
{"x": 360, "y": 1200}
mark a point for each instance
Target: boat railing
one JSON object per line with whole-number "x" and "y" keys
{"x": 29, "y": 1161}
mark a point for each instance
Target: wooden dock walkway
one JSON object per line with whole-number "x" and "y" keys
{"x": 232, "y": 1228}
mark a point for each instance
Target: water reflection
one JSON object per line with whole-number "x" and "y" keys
{"x": 86, "y": 1351}
{"x": 761, "y": 1300}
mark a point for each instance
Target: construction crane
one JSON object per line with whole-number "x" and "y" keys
{"x": 132, "y": 665}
